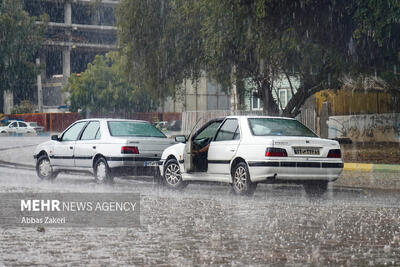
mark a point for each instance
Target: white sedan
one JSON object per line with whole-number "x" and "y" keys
{"x": 104, "y": 147}
{"x": 17, "y": 127}
{"x": 246, "y": 150}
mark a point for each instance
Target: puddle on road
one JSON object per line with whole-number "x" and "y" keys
{"x": 207, "y": 225}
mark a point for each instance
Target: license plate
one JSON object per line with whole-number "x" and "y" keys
{"x": 151, "y": 163}
{"x": 306, "y": 151}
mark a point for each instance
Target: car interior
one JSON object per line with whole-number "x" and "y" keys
{"x": 200, "y": 141}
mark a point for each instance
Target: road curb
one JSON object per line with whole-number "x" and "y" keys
{"x": 369, "y": 167}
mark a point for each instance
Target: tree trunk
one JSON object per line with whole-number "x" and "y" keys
{"x": 234, "y": 97}
{"x": 270, "y": 107}
{"x": 293, "y": 107}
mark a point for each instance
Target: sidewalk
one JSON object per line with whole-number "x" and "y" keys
{"x": 368, "y": 167}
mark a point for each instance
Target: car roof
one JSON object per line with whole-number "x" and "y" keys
{"x": 111, "y": 119}
{"x": 257, "y": 116}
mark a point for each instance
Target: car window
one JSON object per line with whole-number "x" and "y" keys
{"x": 228, "y": 131}
{"x": 91, "y": 131}
{"x": 72, "y": 133}
{"x": 134, "y": 128}
{"x": 33, "y": 124}
{"x": 14, "y": 124}
{"x": 209, "y": 131}
{"x": 278, "y": 127}
{"x": 98, "y": 134}
{"x": 22, "y": 124}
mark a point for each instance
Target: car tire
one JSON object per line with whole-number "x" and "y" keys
{"x": 315, "y": 188}
{"x": 241, "y": 183}
{"x": 102, "y": 172}
{"x": 172, "y": 177}
{"x": 44, "y": 170}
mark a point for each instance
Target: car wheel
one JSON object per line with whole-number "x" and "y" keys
{"x": 241, "y": 183}
{"x": 44, "y": 169}
{"x": 102, "y": 173}
{"x": 315, "y": 188}
{"x": 172, "y": 175}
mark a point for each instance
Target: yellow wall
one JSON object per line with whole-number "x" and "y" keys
{"x": 343, "y": 102}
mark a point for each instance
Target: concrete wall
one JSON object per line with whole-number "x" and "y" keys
{"x": 205, "y": 95}
{"x": 366, "y": 128}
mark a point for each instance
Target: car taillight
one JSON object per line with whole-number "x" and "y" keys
{"x": 275, "y": 152}
{"x": 129, "y": 150}
{"x": 334, "y": 153}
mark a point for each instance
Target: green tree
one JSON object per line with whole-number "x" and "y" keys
{"x": 25, "y": 106}
{"x": 162, "y": 42}
{"x": 334, "y": 40}
{"x": 20, "y": 39}
{"x": 103, "y": 89}
{"x": 317, "y": 42}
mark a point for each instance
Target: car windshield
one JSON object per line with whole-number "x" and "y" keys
{"x": 278, "y": 127}
{"x": 133, "y": 128}
{"x": 33, "y": 124}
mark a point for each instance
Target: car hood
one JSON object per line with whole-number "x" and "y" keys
{"x": 44, "y": 146}
{"x": 176, "y": 150}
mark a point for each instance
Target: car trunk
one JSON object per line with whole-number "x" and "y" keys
{"x": 309, "y": 147}
{"x": 301, "y": 147}
{"x": 150, "y": 146}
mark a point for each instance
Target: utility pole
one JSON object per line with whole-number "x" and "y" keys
{"x": 39, "y": 88}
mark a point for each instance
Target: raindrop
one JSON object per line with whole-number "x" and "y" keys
{"x": 352, "y": 46}
{"x": 387, "y": 249}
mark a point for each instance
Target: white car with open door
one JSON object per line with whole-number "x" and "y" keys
{"x": 105, "y": 147}
{"x": 246, "y": 150}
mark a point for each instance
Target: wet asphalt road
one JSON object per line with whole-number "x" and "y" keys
{"x": 207, "y": 225}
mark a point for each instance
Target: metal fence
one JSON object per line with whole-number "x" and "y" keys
{"x": 191, "y": 118}
{"x": 309, "y": 118}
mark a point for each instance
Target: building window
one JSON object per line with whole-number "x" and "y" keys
{"x": 256, "y": 103}
{"x": 284, "y": 97}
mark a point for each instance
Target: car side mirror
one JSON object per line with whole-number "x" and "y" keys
{"x": 180, "y": 139}
{"x": 55, "y": 138}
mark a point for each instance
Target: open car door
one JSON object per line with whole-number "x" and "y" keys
{"x": 187, "y": 155}
{"x": 198, "y": 140}
{"x": 187, "y": 152}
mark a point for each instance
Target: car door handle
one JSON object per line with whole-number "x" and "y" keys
{"x": 71, "y": 147}
{"x": 94, "y": 147}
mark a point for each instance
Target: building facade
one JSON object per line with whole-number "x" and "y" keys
{"x": 78, "y": 30}
{"x": 204, "y": 95}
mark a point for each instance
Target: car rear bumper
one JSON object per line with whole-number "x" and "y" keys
{"x": 295, "y": 170}
{"x": 135, "y": 171}
{"x": 115, "y": 162}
